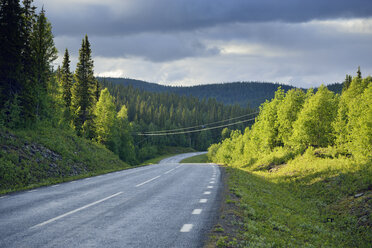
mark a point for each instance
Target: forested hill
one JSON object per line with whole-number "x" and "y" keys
{"x": 250, "y": 94}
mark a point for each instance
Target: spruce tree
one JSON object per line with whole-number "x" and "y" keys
{"x": 11, "y": 42}
{"x": 359, "y": 73}
{"x": 43, "y": 49}
{"x": 66, "y": 81}
{"x": 43, "y": 53}
{"x": 83, "y": 90}
{"x": 97, "y": 90}
{"x": 347, "y": 82}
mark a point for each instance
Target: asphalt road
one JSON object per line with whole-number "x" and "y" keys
{"x": 164, "y": 205}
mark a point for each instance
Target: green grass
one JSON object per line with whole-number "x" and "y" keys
{"x": 307, "y": 202}
{"x": 196, "y": 159}
{"x": 45, "y": 156}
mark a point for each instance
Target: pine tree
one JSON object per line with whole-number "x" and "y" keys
{"x": 66, "y": 81}
{"x": 83, "y": 90}
{"x": 43, "y": 49}
{"x": 11, "y": 40}
{"x": 347, "y": 82}
{"x": 43, "y": 53}
{"x": 28, "y": 22}
{"x": 359, "y": 73}
{"x": 97, "y": 90}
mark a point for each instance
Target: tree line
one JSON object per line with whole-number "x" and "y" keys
{"x": 150, "y": 111}
{"x": 32, "y": 93}
{"x": 295, "y": 121}
{"x": 27, "y": 51}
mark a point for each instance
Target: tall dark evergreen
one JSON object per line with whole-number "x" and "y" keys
{"x": 28, "y": 21}
{"x": 347, "y": 82}
{"x": 359, "y": 73}
{"x": 11, "y": 47}
{"x": 83, "y": 91}
{"x": 43, "y": 53}
{"x": 66, "y": 81}
{"x": 97, "y": 90}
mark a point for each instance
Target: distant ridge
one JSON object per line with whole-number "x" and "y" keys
{"x": 250, "y": 94}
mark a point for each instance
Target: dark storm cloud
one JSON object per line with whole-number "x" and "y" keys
{"x": 303, "y": 42}
{"x": 136, "y": 16}
{"x": 154, "y": 47}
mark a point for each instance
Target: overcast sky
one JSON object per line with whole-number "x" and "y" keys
{"x": 185, "y": 42}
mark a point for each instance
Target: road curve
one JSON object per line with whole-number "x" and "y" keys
{"x": 164, "y": 205}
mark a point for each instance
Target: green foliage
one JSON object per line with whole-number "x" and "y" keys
{"x": 126, "y": 147}
{"x": 225, "y": 133}
{"x": 11, "y": 113}
{"x": 314, "y": 124}
{"x": 105, "y": 117}
{"x": 288, "y": 111}
{"x": 360, "y": 115}
{"x": 304, "y": 176}
{"x": 353, "y": 109}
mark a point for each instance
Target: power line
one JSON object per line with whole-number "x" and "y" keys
{"x": 193, "y": 131}
{"x": 201, "y": 125}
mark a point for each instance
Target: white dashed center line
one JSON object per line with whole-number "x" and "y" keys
{"x": 210, "y": 187}
{"x": 32, "y": 190}
{"x": 169, "y": 171}
{"x": 203, "y": 200}
{"x": 186, "y": 228}
{"x": 76, "y": 210}
{"x": 197, "y": 211}
{"x": 207, "y": 193}
{"x": 55, "y": 185}
{"x": 211, "y": 182}
{"x": 147, "y": 181}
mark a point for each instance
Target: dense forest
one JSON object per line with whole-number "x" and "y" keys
{"x": 303, "y": 171}
{"x": 33, "y": 94}
{"x": 150, "y": 112}
{"x": 295, "y": 121}
{"x": 250, "y": 94}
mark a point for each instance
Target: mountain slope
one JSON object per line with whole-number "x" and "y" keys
{"x": 250, "y": 94}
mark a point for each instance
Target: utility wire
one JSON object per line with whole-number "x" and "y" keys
{"x": 193, "y": 131}
{"x": 201, "y": 125}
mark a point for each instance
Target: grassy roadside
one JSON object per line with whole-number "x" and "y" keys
{"x": 308, "y": 202}
{"x": 45, "y": 156}
{"x": 196, "y": 159}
